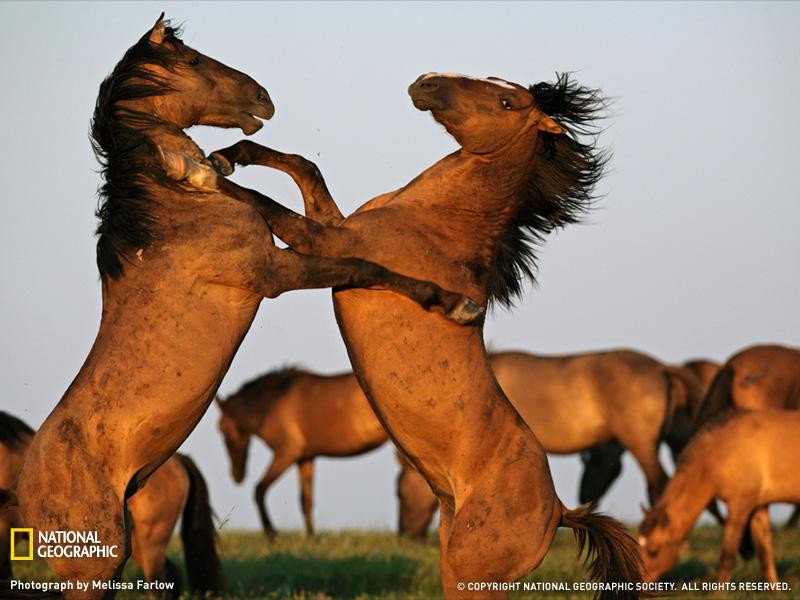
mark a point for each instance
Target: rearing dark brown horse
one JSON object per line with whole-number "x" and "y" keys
{"x": 467, "y": 223}
{"x": 183, "y": 271}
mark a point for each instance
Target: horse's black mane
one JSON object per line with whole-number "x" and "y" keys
{"x": 127, "y": 156}
{"x": 11, "y": 430}
{"x": 561, "y": 188}
{"x": 271, "y": 384}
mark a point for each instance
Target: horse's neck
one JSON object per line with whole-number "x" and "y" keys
{"x": 470, "y": 192}
{"x": 686, "y": 496}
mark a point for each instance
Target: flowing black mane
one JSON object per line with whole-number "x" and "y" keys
{"x": 126, "y": 155}
{"x": 269, "y": 385}
{"x": 12, "y": 430}
{"x": 561, "y": 188}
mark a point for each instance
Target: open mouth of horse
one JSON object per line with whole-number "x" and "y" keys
{"x": 252, "y": 119}
{"x": 423, "y": 101}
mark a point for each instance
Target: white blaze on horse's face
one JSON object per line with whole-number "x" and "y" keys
{"x": 483, "y": 114}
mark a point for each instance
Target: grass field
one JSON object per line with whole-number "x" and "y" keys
{"x": 371, "y": 565}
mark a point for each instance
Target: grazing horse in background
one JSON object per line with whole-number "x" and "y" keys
{"x": 600, "y": 404}
{"x": 603, "y": 463}
{"x": 183, "y": 270}
{"x": 705, "y": 371}
{"x": 15, "y": 437}
{"x": 748, "y": 460}
{"x": 576, "y": 402}
{"x": 469, "y": 222}
{"x": 756, "y": 378}
{"x": 300, "y": 416}
{"x": 176, "y": 487}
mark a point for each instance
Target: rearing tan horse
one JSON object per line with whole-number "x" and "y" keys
{"x": 466, "y": 223}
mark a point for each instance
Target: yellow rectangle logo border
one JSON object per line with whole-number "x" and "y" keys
{"x": 29, "y": 531}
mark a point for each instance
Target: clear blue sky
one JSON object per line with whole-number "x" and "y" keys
{"x": 693, "y": 252}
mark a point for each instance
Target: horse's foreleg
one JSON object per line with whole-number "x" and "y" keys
{"x": 305, "y": 470}
{"x": 646, "y": 454}
{"x": 280, "y": 462}
{"x": 318, "y": 202}
{"x": 761, "y": 532}
{"x": 287, "y": 270}
{"x": 301, "y": 233}
{"x": 731, "y": 539}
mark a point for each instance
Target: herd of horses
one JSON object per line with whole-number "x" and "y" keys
{"x": 186, "y": 256}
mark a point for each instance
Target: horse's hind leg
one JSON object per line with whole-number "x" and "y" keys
{"x": 794, "y": 519}
{"x": 84, "y": 510}
{"x": 601, "y": 467}
{"x": 305, "y": 470}
{"x": 761, "y": 531}
{"x": 494, "y": 539}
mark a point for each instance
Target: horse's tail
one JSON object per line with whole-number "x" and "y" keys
{"x": 719, "y": 397}
{"x": 198, "y": 534}
{"x": 613, "y": 555}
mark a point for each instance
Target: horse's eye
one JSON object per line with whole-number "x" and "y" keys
{"x": 194, "y": 61}
{"x": 506, "y": 104}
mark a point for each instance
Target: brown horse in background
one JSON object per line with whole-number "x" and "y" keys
{"x": 748, "y": 460}
{"x": 300, "y": 416}
{"x": 15, "y": 437}
{"x": 183, "y": 271}
{"x": 603, "y": 464}
{"x": 467, "y": 223}
{"x": 756, "y": 378}
{"x": 176, "y": 488}
{"x": 598, "y": 404}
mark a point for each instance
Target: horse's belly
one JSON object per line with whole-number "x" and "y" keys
{"x": 420, "y": 371}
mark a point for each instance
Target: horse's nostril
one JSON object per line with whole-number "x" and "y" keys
{"x": 428, "y": 85}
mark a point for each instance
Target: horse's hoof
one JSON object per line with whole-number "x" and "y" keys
{"x": 466, "y": 312}
{"x": 221, "y": 164}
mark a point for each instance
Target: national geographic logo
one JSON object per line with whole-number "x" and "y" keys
{"x": 60, "y": 544}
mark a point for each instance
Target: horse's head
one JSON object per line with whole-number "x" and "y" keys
{"x": 483, "y": 115}
{"x": 237, "y": 441}
{"x": 191, "y": 88}
{"x": 658, "y": 547}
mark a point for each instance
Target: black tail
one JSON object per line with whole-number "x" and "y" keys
{"x": 198, "y": 534}
{"x": 613, "y": 554}
{"x": 719, "y": 397}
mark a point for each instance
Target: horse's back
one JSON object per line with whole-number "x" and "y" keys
{"x": 766, "y": 376}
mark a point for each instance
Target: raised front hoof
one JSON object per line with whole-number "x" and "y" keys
{"x": 221, "y": 164}
{"x": 466, "y": 312}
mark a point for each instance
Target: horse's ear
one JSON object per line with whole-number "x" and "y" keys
{"x": 219, "y": 402}
{"x": 547, "y": 124}
{"x": 158, "y": 31}
{"x": 645, "y": 510}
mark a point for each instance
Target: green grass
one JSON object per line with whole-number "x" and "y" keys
{"x": 370, "y": 565}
